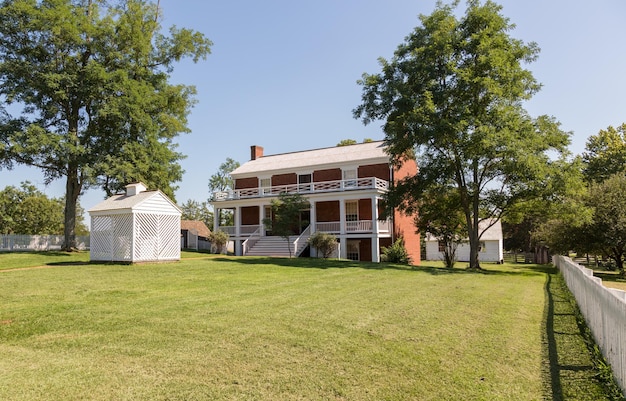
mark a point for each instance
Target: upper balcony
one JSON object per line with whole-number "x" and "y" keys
{"x": 308, "y": 188}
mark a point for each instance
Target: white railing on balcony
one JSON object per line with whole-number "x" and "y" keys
{"x": 243, "y": 230}
{"x": 314, "y": 187}
{"x": 360, "y": 226}
{"x": 352, "y": 226}
{"x": 384, "y": 226}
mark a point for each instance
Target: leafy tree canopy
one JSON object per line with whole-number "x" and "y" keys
{"x": 441, "y": 215}
{"x": 200, "y": 211}
{"x": 26, "y": 210}
{"x": 608, "y": 227}
{"x": 221, "y": 180}
{"x": 347, "y": 142}
{"x": 605, "y": 154}
{"x": 91, "y": 79}
{"x": 452, "y": 97}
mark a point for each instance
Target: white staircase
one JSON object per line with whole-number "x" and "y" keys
{"x": 277, "y": 246}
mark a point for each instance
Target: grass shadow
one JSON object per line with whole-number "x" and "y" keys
{"x": 570, "y": 365}
{"x": 70, "y": 263}
{"x": 550, "y": 346}
{"x": 426, "y": 266}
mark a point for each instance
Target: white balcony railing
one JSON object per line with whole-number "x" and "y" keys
{"x": 313, "y": 187}
{"x": 363, "y": 226}
{"x": 360, "y": 226}
{"x": 243, "y": 230}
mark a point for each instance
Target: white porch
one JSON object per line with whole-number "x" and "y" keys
{"x": 348, "y": 227}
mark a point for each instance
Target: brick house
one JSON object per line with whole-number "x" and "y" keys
{"x": 344, "y": 186}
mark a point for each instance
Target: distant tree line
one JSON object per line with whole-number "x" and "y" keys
{"x": 26, "y": 210}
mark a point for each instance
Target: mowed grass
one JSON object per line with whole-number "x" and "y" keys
{"x": 214, "y": 327}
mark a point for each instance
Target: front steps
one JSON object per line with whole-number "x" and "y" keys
{"x": 276, "y": 246}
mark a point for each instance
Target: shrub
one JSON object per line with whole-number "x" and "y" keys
{"x": 219, "y": 239}
{"x": 396, "y": 253}
{"x": 324, "y": 243}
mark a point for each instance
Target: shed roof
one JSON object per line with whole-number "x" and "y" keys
{"x": 493, "y": 233}
{"x": 198, "y": 226}
{"x": 373, "y": 152}
{"x": 126, "y": 202}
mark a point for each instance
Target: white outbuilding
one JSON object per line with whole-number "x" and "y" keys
{"x": 137, "y": 226}
{"x": 491, "y": 245}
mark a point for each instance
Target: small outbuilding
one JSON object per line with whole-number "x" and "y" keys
{"x": 137, "y": 226}
{"x": 194, "y": 234}
{"x": 491, "y": 245}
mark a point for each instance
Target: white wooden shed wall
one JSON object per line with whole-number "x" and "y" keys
{"x": 491, "y": 239}
{"x": 141, "y": 227}
{"x": 492, "y": 251}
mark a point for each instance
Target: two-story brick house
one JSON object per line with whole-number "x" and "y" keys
{"x": 344, "y": 186}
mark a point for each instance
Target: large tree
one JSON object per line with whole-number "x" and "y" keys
{"x": 605, "y": 154}
{"x": 26, "y": 210}
{"x": 91, "y": 80}
{"x": 607, "y": 231}
{"x": 452, "y": 97}
{"x": 194, "y": 210}
{"x": 439, "y": 214}
{"x": 221, "y": 180}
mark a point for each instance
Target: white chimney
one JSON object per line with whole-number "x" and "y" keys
{"x": 135, "y": 188}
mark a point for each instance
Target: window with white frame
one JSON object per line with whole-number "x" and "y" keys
{"x": 304, "y": 182}
{"x": 352, "y": 210}
{"x": 352, "y": 248}
{"x": 265, "y": 185}
{"x": 349, "y": 178}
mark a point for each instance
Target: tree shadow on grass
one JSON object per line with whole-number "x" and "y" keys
{"x": 70, "y": 263}
{"x": 568, "y": 368}
{"x": 426, "y": 267}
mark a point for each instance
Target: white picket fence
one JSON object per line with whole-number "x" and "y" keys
{"x": 38, "y": 242}
{"x": 604, "y": 310}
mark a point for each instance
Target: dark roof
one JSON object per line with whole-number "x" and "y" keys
{"x": 197, "y": 226}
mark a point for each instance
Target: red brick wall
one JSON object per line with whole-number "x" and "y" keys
{"x": 327, "y": 211}
{"x": 327, "y": 175}
{"x": 284, "y": 179}
{"x": 249, "y": 215}
{"x": 404, "y": 225}
{"x": 243, "y": 183}
{"x": 374, "y": 170}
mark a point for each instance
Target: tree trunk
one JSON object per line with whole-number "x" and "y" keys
{"x": 474, "y": 234}
{"x": 72, "y": 191}
{"x": 474, "y": 244}
{"x": 619, "y": 262}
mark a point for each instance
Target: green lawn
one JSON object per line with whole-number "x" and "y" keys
{"x": 214, "y": 327}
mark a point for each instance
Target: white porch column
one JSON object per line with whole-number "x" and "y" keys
{"x": 375, "y": 236}
{"x": 313, "y": 215}
{"x": 312, "y": 224}
{"x": 343, "y": 242}
{"x": 216, "y": 218}
{"x": 237, "y": 222}
{"x": 261, "y": 217}
{"x": 342, "y": 217}
{"x": 343, "y": 247}
{"x": 375, "y": 215}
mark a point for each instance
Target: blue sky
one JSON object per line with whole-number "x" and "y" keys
{"x": 282, "y": 74}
